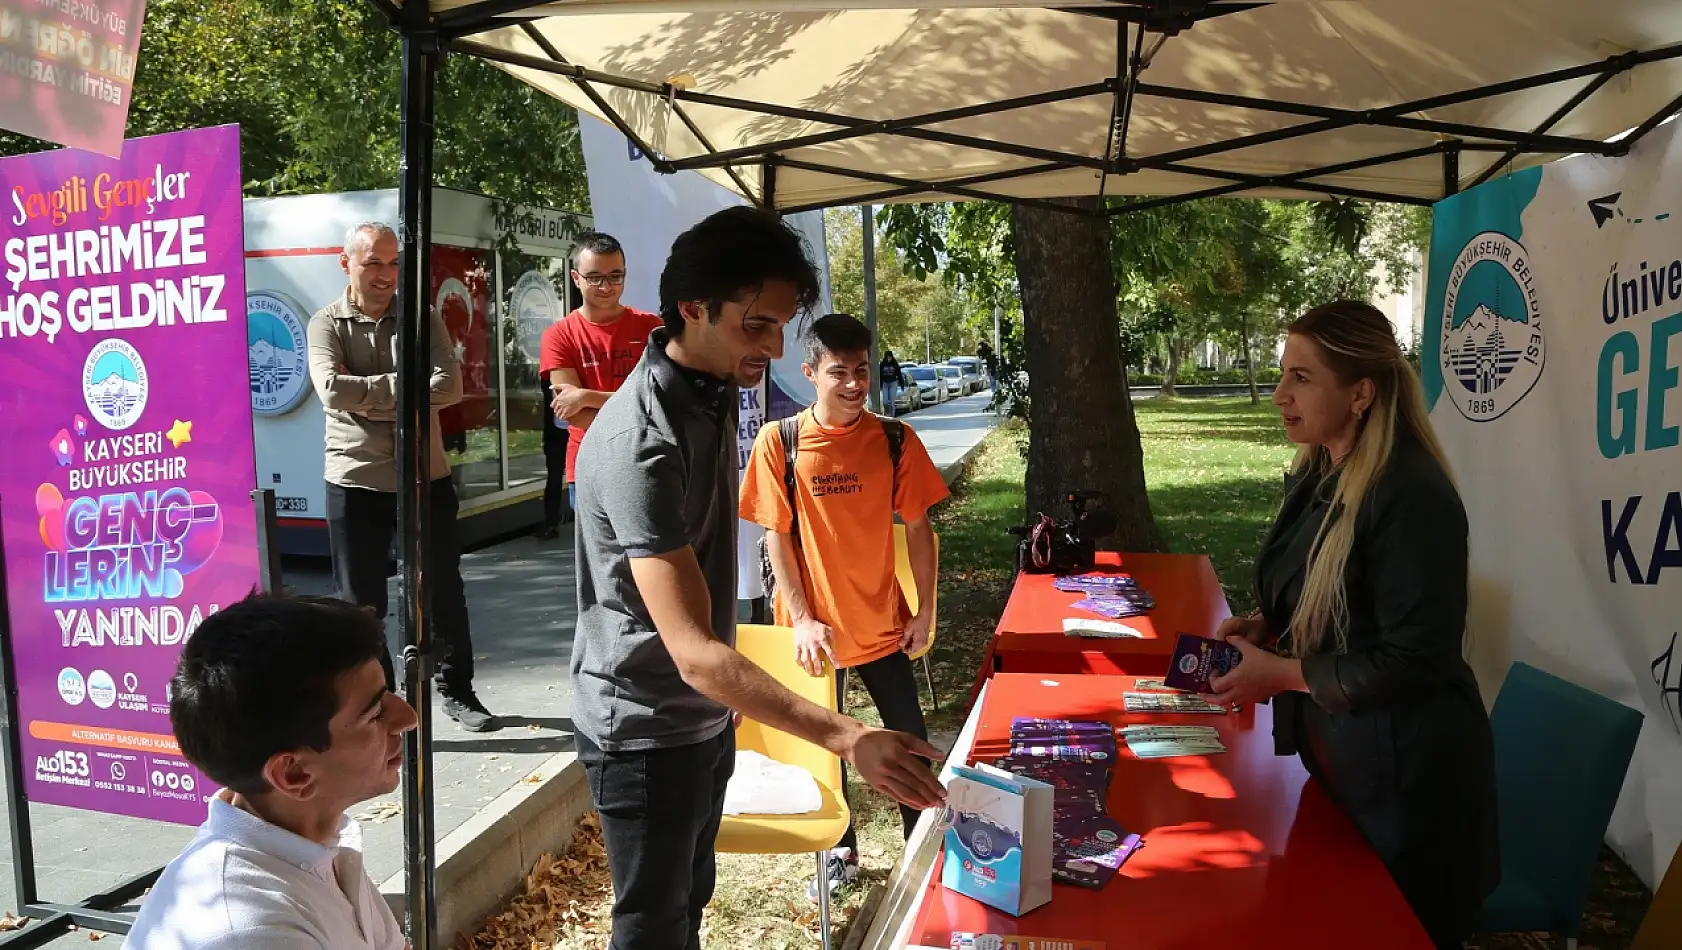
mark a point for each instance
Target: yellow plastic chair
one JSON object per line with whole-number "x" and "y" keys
{"x": 772, "y": 649}
{"x": 1662, "y": 927}
{"x": 908, "y": 586}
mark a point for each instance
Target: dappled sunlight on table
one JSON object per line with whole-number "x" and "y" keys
{"x": 1199, "y": 777}
{"x": 1195, "y": 846}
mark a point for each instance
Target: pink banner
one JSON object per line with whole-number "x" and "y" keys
{"x": 67, "y": 69}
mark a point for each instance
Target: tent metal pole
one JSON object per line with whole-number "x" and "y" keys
{"x": 946, "y": 188}
{"x": 1393, "y": 117}
{"x": 1451, "y": 169}
{"x": 1614, "y": 64}
{"x": 862, "y": 128}
{"x": 1558, "y": 116}
{"x": 1652, "y": 123}
{"x": 783, "y": 112}
{"x": 909, "y": 127}
{"x": 1294, "y": 178}
{"x": 1159, "y": 20}
{"x": 1121, "y": 109}
{"x": 1249, "y": 182}
{"x": 482, "y": 14}
{"x": 585, "y": 86}
{"x": 388, "y": 9}
{"x": 421, "y": 57}
{"x": 931, "y": 188}
{"x": 701, "y": 137}
{"x": 867, "y": 235}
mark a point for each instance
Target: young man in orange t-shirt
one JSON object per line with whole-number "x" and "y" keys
{"x": 832, "y": 552}
{"x": 587, "y": 355}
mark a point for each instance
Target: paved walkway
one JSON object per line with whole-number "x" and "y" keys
{"x": 522, "y": 601}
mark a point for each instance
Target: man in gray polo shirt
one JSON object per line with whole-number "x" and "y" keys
{"x": 654, "y": 671}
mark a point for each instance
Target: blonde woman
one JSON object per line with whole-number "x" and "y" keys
{"x": 1362, "y": 585}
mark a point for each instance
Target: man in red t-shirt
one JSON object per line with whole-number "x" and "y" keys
{"x": 587, "y": 355}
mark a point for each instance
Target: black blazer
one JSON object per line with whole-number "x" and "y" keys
{"x": 1394, "y": 727}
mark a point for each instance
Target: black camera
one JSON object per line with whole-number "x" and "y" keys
{"x": 1067, "y": 546}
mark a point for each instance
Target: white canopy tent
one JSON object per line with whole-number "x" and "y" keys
{"x": 802, "y": 104}
{"x": 823, "y": 102}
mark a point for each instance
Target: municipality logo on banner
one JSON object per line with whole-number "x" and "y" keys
{"x": 1493, "y": 347}
{"x": 115, "y": 384}
{"x": 277, "y": 353}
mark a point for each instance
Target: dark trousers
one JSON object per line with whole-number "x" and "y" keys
{"x": 893, "y": 688}
{"x": 360, "y": 525}
{"x": 660, "y": 811}
{"x": 556, "y": 508}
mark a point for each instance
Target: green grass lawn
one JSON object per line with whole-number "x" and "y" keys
{"x": 1215, "y": 470}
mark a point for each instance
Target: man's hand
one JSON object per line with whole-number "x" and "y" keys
{"x": 916, "y": 635}
{"x": 894, "y": 764}
{"x": 812, "y": 642}
{"x": 568, "y": 401}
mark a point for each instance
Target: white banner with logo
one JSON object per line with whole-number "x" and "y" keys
{"x": 1551, "y": 363}
{"x": 646, "y": 211}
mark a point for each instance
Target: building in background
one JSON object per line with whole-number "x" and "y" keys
{"x": 495, "y": 304}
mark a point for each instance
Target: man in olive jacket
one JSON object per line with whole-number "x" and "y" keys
{"x": 353, "y": 365}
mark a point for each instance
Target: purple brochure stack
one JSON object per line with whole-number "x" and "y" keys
{"x": 1107, "y": 595}
{"x": 1075, "y": 758}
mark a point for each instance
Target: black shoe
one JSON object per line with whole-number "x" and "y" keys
{"x": 840, "y": 867}
{"x": 469, "y": 713}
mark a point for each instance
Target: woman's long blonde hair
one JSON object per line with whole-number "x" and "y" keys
{"x": 1356, "y": 342}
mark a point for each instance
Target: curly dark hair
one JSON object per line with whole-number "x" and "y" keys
{"x": 729, "y": 254}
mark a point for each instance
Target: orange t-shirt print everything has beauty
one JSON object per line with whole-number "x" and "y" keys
{"x": 844, "y": 491}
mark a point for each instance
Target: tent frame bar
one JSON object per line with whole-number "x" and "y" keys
{"x": 857, "y": 128}
{"x": 1127, "y": 88}
{"x": 920, "y": 188}
{"x": 951, "y": 188}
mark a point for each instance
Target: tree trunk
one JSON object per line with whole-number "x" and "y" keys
{"x": 1249, "y": 361}
{"x": 1082, "y": 434}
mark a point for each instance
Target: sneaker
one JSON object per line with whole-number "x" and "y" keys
{"x": 469, "y": 713}
{"x": 548, "y": 532}
{"x": 841, "y": 868}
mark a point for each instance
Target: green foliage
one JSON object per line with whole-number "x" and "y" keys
{"x": 314, "y": 86}
{"x": 969, "y": 245}
{"x": 1208, "y": 377}
{"x": 917, "y": 317}
{"x": 1232, "y": 270}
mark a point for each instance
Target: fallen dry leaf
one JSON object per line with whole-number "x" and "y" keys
{"x": 566, "y": 898}
{"x": 384, "y": 811}
{"x": 534, "y": 780}
{"x": 12, "y": 922}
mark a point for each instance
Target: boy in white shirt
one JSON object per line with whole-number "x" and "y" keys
{"x": 283, "y": 701}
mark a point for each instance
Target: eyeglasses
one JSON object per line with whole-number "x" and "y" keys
{"x": 604, "y": 280}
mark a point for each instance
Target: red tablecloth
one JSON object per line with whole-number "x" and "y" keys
{"x": 1030, "y": 637}
{"x": 1242, "y": 850}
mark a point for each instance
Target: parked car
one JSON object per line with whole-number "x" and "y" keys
{"x": 975, "y": 371}
{"x": 908, "y": 398}
{"x": 929, "y": 383}
{"x": 955, "y": 384}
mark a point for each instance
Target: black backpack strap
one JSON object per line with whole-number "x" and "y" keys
{"x": 895, "y": 431}
{"x": 789, "y": 430}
